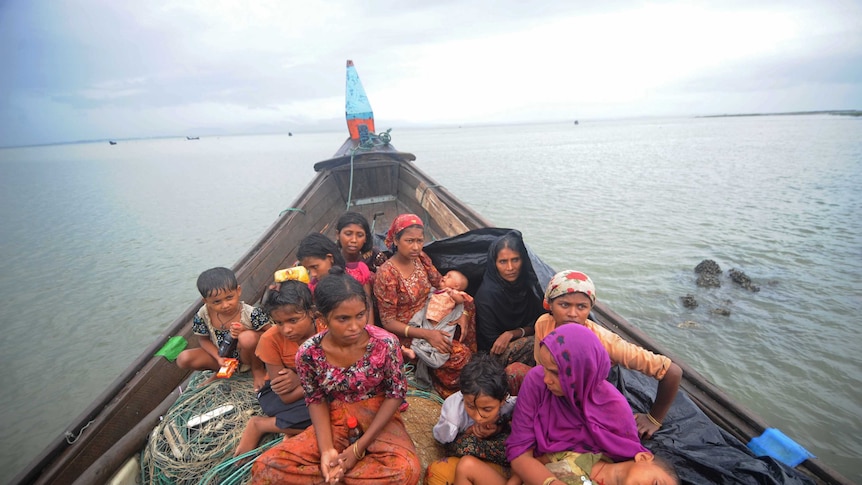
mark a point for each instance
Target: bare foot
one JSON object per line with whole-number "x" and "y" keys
{"x": 408, "y": 353}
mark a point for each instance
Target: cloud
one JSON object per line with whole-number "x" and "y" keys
{"x": 90, "y": 69}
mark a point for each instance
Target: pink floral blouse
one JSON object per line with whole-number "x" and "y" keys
{"x": 377, "y": 372}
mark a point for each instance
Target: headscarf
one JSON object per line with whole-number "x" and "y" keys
{"x": 400, "y": 223}
{"x": 591, "y": 417}
{"x": 501, "y": 305}
{"x": 569, "y": 281}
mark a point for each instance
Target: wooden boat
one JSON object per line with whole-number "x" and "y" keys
{"x": 367, "y": 175}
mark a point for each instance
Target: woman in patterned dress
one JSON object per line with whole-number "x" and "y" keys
{"x": 350, "y": 369}
{"x": 401, "y": 288}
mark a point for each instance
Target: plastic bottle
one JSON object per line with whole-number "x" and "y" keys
{"x": 354, "y": 431}
{"x": 228, "y": 345}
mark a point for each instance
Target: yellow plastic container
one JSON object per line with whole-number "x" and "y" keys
{"x": 298, "y": 273}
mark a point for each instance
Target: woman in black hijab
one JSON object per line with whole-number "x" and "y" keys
{"x": 508, "y": 302}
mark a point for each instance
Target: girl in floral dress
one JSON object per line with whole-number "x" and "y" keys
{"x": 349, "y": 369}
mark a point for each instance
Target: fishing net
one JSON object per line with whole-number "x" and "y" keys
{"x": 196, "y": 439}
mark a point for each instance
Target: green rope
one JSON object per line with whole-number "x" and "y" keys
{"x": 430, "y": 395}
{"x": 373, "y": 141}
{"x": 291, "y": 209}
{"x": 237, "y": 470}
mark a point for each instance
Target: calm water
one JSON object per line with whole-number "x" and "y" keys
{"x": 101, "y": 246}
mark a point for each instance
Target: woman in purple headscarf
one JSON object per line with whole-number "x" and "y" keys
{"x": 567, "y": 412}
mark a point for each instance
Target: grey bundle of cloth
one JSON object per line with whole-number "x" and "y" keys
{"x": 427, "y": 356}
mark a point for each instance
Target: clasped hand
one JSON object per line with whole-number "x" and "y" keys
{"x": 440, "y": 340}
{"x": 334, "y": 466}
{"x": 484, "y": 430}
{"x": 285, "y": 382}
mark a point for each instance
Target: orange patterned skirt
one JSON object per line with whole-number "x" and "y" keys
{"x": 391, "y": 458}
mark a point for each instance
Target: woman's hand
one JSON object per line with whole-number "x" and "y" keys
{"x": 439, "y": 339}
{"x": 646, "y": 428}
{"x": 330, "y": 467}
{"x": 347, "y": 459}
{"x": 285, "y": 382}
{"x": 485, "y": 431}
{"x": 501, "y": 343}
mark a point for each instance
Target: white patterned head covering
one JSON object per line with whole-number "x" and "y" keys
{"x": 569, "y": 281}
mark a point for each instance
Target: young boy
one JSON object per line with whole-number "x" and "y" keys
{"x": 224, "y": 314}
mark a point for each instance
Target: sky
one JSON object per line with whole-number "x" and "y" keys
{"x": 73, "y": 70}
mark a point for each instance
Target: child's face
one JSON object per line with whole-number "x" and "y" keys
{"x": 347, "y": 321}
{"x": 552, "y": 372}
{"x": 454, "y": 280}
{"x": 317, "y": 267}
{"x": 481, "y": 408}
{"x": 645, "y": 471}
{"x": 571, "y": 307}
{"x": 294, "y": 325}
{"x": 224, "y": 302}
{"x": 352, "y": 237}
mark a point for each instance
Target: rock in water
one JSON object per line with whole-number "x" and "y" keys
{"x": 708, "y": 271}
{"x": 688, "y": 301}
{"x": 708, "y": 266}
{"x": 742, "y": 280}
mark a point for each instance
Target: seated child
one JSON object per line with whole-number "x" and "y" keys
{"x": 223, "y": 313}
{"x": 569, "y": 297}
{"x": 474, "y": 423}
{"x": 319, "y": 254}
{"x": 443, "y": 311}
{"x": 572, "y": 419}
{"x": 290, "y": 306}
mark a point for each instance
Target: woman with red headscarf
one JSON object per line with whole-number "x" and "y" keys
{"x": 401, "y": 288}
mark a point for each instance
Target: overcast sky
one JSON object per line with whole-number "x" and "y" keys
{"x": 97, "y": 69}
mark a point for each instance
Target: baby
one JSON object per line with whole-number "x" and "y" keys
{"x": 443, "y": 300}
{"x": 441, "y": 303}
{"x": 443, "y": 311}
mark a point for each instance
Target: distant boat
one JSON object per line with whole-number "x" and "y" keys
{"x": 289, "y": 133}
{"x": 576, "y": 122}
{"x": 193, "y": 138}
{"x": 112, "y": 142}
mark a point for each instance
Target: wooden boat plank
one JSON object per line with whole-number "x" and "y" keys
{"x": 156, "y": 380}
